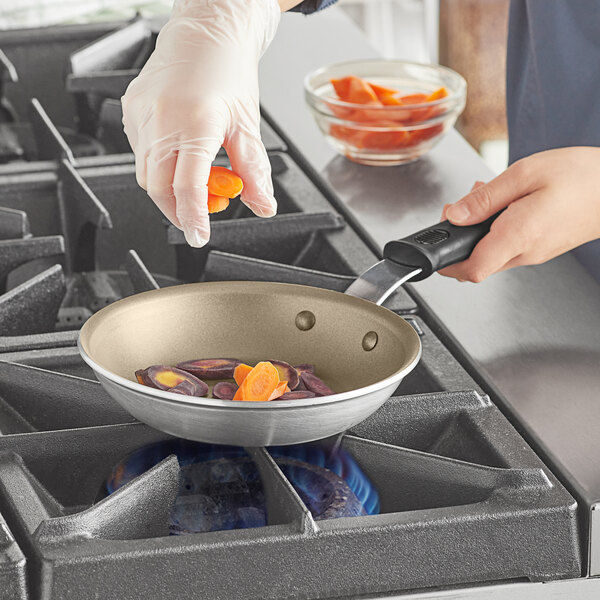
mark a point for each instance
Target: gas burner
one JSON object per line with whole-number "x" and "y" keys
{"x": 221, "y": 488}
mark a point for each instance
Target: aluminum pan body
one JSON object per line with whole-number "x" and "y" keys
{"x": 251, "y": 321}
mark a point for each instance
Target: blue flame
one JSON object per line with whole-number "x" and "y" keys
{"x": 220, "y": 486}
{"x": 339, "y": 462}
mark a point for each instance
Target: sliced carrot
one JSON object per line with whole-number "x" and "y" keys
{"x": 421, "y": 135}
{"x": 169, "y": 378}
{"x": 437, "y": 95}
{"x": 382, "y": 91}
{"x": 390, "y": 99}
{"x": 413, "y": 98}
{"x": 259, "y": 384}
{"x": 240, "y": 372}
{"x": 384, "y": 140}
{"x": 417, "y": 114}
{"x": 342, "y": 87}
{"x": 372, "y": 140}
{"x": 281, "y": 389}
{"x": 360, "y": 92}
{"x": 217, "y": 203}
{"x": 224, "y": 182}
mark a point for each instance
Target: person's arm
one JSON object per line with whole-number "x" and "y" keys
{"x": 552, "y": 205}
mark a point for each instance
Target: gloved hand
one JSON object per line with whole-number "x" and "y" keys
{"x": 198, "y": 92}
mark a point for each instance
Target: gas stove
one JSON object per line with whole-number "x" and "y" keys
{"x": 435, "y": 493}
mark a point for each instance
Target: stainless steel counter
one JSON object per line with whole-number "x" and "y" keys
{"x": 534, "y": 331}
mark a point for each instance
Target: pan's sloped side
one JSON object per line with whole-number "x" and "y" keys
{"x": 243, "y": 426}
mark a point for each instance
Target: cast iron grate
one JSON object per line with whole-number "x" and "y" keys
{"x": 100, "y": 212}
{"x": 435, "y": 512}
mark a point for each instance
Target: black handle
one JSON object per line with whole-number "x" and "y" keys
{"x": 437, "y": 246}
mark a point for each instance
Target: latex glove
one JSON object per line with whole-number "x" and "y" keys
{"x": 198, "y": 92}
{"x": 553, "y": 206}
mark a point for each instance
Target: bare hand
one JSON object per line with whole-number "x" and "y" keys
{"x": 552, "y": 202}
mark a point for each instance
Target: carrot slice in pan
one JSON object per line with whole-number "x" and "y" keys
{"x": 281, "y": 389}
{"x": 240, "y": 372}
{"x": 259, "y": 384}
{"x": 217, "y": 203}
{"x": 224, "y": 182}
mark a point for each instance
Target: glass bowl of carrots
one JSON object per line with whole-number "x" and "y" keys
{"x": 384, "y": 112}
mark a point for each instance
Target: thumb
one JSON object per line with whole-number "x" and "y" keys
{"x": 486, "y": 199}
{"x": 250, "y": 161}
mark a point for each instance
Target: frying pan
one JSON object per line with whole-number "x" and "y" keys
{"x": 360, "y": 349}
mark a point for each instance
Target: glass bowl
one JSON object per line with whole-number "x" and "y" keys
{"x": 385, "y": 135}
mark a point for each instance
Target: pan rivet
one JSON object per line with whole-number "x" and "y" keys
{"x": 369, "y": 341}
{"x": 305, "y": 320}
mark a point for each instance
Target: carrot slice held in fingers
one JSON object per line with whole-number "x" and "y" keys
{"x": 259, "y": 384}
{"x": 240, "y": 372}
{"x": 217, "y": 203}
{"x": 224, "y": 182}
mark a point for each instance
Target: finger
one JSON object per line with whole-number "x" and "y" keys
{"x": 502, "y": 244}
{"x": 487, "y": 199}
{"x": 129, "y": 125}
{"x": 160, "y": 173}
{"x": 191, "y": 194}
{"x": 140, "y": 169}
{"x": 448, "y": 205}
{"x": 250, "y": 161}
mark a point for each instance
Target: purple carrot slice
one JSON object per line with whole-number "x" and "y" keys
{"x": 187, "y": 388}
{"x": 211, "y": 368}
{"x": 301, "y": 386}
{"x": 296, "y": 395}
{"x": 286, "y": 373}
{"x": 314, "y": 384}
{"x": 140, "y": 375}
{"x": 305, "y": 368}
{"x": 224, "y": 390}
{"x": 163, "y": 377}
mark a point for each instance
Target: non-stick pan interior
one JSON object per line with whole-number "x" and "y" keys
{"x": 352, "y": 342}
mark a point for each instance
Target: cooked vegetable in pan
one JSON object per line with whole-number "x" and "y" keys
{"x": 266, "y": 381}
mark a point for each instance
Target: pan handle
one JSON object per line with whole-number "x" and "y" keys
{"x": 436, "y": 247}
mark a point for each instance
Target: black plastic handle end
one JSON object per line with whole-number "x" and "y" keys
{"x": 438, "y": 246}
